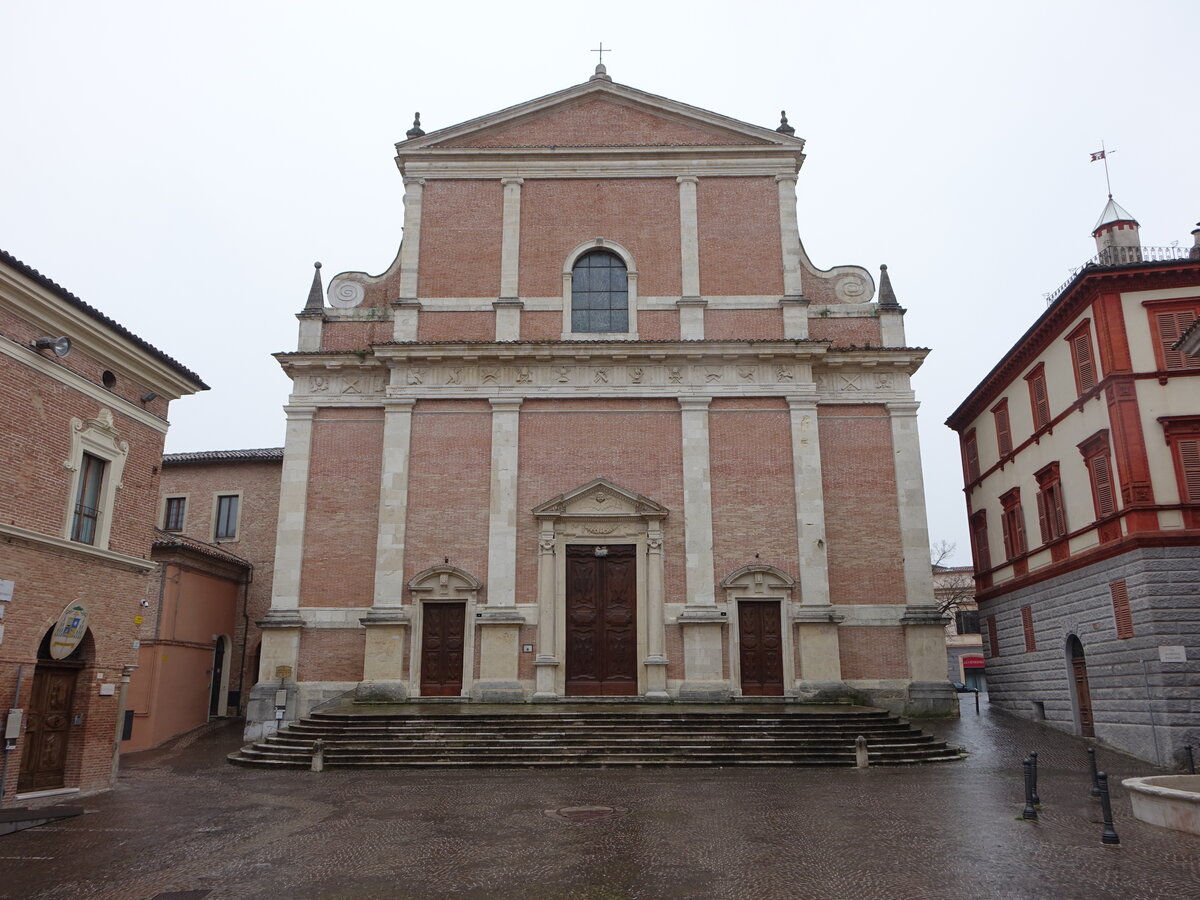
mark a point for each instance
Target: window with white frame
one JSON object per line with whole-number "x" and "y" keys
{"x": 96, "y": 461}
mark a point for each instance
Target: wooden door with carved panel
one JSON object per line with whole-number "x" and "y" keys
{"x": 442, "y": 642}
{"x": 760, "y": 648}
{"x": 48, "y": 729}
{"x": 601, "y": 647}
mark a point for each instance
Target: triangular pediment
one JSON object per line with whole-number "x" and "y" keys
{"x": 598, "y": 499}
{"x": 600, "y": 113}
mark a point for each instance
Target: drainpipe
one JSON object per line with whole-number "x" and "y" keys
{"x": 245, "y": 639}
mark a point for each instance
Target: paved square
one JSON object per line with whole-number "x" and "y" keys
{"x": 184, "y": 820}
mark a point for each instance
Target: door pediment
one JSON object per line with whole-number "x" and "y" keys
{"x": 600, "y": 499}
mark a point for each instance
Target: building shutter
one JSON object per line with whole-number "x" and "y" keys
{"x": 1027, "y": 624}
{"x": 1059, "y": 513}
{"x": 1121, "y": 614}
{"x": 1102, "y": 482}
{"x": 1043, "y": 502}
{"x": 1003, "y": 431}
{"x": 1041, "y": 403}
{"x": 1189, "y": 459}
{"x": 971, "y": 449}
{"x": 1085, "y": 369}
{"x": 1171, "y": 326}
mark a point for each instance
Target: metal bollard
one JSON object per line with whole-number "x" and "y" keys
{"x": 861, "y": 760}
{"x": 1191, "y": 759}
{"x": 977, "y": 703}
{"x": 1109, "y": 836}
{"x": 1037, "y": 801}
{"x": 318, "y": 756}
{"x": 1092, "y": 764}
{"x": 1030, "y": 811}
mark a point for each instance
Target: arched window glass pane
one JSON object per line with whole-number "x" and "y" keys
{"x": 599, "y": 293}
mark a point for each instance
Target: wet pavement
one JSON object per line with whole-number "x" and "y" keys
{"x": 182, "y": 819}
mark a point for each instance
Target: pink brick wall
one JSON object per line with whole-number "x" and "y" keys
{"x": 461, "y": 230}
{"x": 739, "y": 236}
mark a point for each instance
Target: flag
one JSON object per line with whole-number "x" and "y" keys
{"x": 1099, "y": 154}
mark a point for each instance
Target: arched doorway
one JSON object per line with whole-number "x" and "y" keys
{"x": 52, "y": 711}
{"x": 218, "y": 693}
{"x": 1080, "y": 693}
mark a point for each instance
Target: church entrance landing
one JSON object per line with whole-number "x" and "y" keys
{"x": 601, "y": 647}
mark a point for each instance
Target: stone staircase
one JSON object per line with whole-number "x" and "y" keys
{"x": 628, "y": 736}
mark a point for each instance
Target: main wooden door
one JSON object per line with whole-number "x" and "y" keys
{"x": 601, "y": 620}
{"x": 442, "y": 641}
{"x": 1083, "y": 696}
{"x": 760, "y": 648}
{"x": 48, "y": 731}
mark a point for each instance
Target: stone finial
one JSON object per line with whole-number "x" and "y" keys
{"x": 887, "y": 296}
{"x": 601, "y": 73}
{"x": 316, "y": 294}
{"x": 1194, "y": 253}
{"x": 415, "y": 131}
{"x": 784, "y": 127}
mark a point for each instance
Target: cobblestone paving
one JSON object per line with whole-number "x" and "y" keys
{"x": 184, "y": 820}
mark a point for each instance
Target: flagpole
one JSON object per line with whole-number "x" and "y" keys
{"x": 1104, "y": 156}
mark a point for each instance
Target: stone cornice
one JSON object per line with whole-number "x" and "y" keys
{"x": 108, "y": 557}
{"x": 604, "y": 162}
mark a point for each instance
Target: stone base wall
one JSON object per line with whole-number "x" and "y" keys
{"x": 1141, "y": 705}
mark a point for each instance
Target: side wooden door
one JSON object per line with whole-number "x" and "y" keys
{"x": 442, "y": 642}
{"x": 48, "y": 730}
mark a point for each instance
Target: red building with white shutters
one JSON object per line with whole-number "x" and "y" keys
{"x": 1081, "y": 457}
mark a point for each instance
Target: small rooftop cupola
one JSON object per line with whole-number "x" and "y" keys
{"x": 1118, "y": 239}
{"x": 601, "y": 73}
{"x": 1195, "y": 251}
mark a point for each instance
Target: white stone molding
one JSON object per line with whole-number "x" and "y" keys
{"x": 760, "y": 582}
{"x": 502, "y": 517}
{"x": 600, "y": 512}
{"x": 691, "y": 318}
{"x": 795, "y": 317}
{"x": 393, "y": 504}
{"x": 603, "y": 162}
{"x": 112, "y": 557}
{"x": 447, "y": 584}
{"x": 810, "y": 500}
{"x": 410, "y": 247}
{"x": 910, "y": 493}
{"x": 508, "y": 319}
{"x": 697, "y": 501}
{"x": 404, "y": 322}
{"x": 293, "y": 500}
{"x": 100, "y": 438}
{"x": 891, "y": 327}
{"x": 689, "y": 237}
{"x": 631, "y": 276}
{"x": 789, "y": 232}
{"x": 510, "y": 247}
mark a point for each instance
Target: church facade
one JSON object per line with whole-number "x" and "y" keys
{"x": 601, "y": 430}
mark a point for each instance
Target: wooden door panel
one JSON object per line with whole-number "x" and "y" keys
{"x": 47, "y": 732}
{"x": 760, "y": 648}
{"x": 601, "y": 620}
{"x": 442, "y": 642}
{"x": 1087, "y": 726}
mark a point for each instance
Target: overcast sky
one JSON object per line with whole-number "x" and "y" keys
{"x": 180, "y": 167}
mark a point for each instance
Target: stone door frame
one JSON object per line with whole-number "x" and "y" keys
{"x": 442, "y": 584}
{"x": 600, "y": 513}
{"x": 760, "y": 582}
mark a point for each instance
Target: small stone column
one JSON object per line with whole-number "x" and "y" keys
{"x": 701, "y": 620}
{"x": 810, "y": 500}
{"x": 656, "y": 659}
{"x": 499, "y": 623}
{"x": 546, "y": 662}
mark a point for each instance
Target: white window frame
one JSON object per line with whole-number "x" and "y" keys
{"x": 237, "y": 528}
{"x": 100, "y": 438}
{"x": 631, "y": 275}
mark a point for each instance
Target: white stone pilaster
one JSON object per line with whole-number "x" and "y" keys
{"x": 810, "y": 501}
{"x": 689, "y": 236}
{"x": 510, "y": 248}
{"x": 697, "y": 502}
{"x": 546, "y": 661}
{"x": 293, "y": 500}
{"x": 502, "y": 519}
{"x": 410, "y": 246}
{"x": 393, "y": 503}
{"x": 656, "y": 659}
{"x": 789, "y": 233}
{"x": 910, "y": 491}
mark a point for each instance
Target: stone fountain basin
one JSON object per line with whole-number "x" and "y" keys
{"x": 1169, "y": 801}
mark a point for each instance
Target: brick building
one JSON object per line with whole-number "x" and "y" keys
{"x": 215, "y": 548}
{"x": 1081, "y": 457}
{"x": 82, "y": 424}
{"x": 602, "y": 429}
{"x": 954, "y": 593}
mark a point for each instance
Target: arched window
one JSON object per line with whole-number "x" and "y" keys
{"x": 599, "y": 293}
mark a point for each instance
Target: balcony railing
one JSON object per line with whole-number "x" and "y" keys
{"x": 1123, "y": 256}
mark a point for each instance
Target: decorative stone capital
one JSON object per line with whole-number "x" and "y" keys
{"x": 406, "y": 304}
{"x": 505, "y": 404}
{"x": 281, "y": 618}
{"x": 417, "y": 181}
{"x": 796, "y": 299}
{"x": 694, "y": 404}
{"x": 687, "y": 179}
{"x": 792, "y": 177}
{"x": 508, "y": 303}
{"x": 903, "y": 407}
{"x": 655, "y": 661}
{"x": 515, "y": 182}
